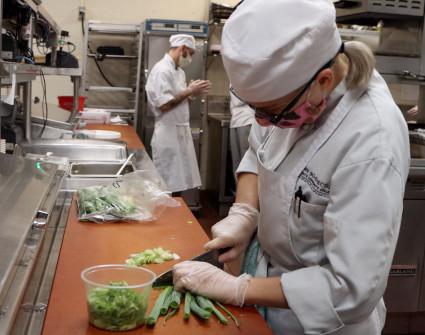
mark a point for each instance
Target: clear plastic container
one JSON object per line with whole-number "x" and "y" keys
{"x": 117, "y": 295}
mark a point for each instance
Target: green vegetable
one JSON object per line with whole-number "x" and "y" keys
{"x": 156, "y": 310}
{"x": 204, "y": 303}
{"x": 199, "y": 305}
{"x": 103, "y": 201}
{"x": 187, "y": 300}
{"x": 116, "y": 309}
{"x": 207, "y": 304}
{"x": 202, "y": 313}
{"x": 156, "y": 255}
{"x": 171, "y": 314}
{"x": 175, "y": 299}
{"x": 166, "y": 305}
{"x": 234, "y": 318}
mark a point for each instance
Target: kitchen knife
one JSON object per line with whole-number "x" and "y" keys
{"x": 166, "y": 278}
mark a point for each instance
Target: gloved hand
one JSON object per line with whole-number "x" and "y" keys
{"x": 234, "y": 231}
{"x": 207, "y": 280}
{"x": 413, "y": 111}
{"x": 198, "y": 87}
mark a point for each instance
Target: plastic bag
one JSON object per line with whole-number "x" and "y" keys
{"x": 137, "y": 196}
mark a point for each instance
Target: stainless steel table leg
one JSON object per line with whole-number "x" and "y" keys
{"x": 76, "y": 82}
{"x": 27, "y": 109}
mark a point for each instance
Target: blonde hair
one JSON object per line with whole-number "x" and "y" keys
{"x": 361, "y": 64}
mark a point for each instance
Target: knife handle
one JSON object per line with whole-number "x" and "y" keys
{"x": 223, "y": 250}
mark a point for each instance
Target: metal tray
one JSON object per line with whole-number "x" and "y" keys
{"x": 98, "y": 169}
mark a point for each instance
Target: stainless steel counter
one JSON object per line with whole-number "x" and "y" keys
{"x": 28, "y": 194}
{"x": 36, "y": 196}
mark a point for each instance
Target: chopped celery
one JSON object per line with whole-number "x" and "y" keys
{"x": 116, "y": 309}
{"x": 155, "y": 255}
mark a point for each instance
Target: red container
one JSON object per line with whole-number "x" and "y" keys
{"x": 66, "y": 102}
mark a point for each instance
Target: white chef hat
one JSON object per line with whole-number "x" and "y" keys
{"x": 272, "y": 47}
{"x": 182, "y": 39}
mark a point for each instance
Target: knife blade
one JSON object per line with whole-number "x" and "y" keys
{"x": 166, "y": 278}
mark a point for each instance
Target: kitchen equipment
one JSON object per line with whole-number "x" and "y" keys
{"x": 406, "y": 290}
{"x": 371, "y": 8}
{"x": 30, "y": 208}
{"x": 108, "y": 286}
{"x": 99, "y": 134}
{"x": 124, "y": 164}
{"x": 166, "y": 278}
{"x": 112, "y": 67}
{"x": 220, "y": 179}
{"x": 220, "y": 11}
{"x": 99, "y": 169}
{"x": 400, "y": 57}
{"x": 77, "y": 149}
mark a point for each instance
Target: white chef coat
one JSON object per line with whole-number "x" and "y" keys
{"x": 333, "y": 249}
{"x": 240, "y": 125}
{"x": 242, "y": 114}
{"x": 173, "y": 151}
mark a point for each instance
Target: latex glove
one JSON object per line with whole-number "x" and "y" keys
{"x": 198, "y": 87}
{"x": 413, "y": 111}
{"x": 210, "y": 281}
{"x": 234, "y": 231}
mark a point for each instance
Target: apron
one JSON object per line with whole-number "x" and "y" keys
{"x": 277, "y": 255}
{"x": 174, "y": 156}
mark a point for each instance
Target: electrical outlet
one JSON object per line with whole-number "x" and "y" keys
{"x": 81, "y": 12}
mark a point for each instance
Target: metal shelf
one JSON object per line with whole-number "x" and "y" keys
{"x": 113, "y": 28}
{"x": 114, "y": 110}
{"x": 28, "y": 72}
{"x": 394, "y": 65}
{"x": 129, "y": 37}
{"x": 114, "y": 56}
{"x": 110, "y": 89}
{"x": 38, "y": 8}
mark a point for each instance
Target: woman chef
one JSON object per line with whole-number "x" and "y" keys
{"x": 323, "y": 187}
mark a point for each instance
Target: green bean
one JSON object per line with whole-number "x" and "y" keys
{"x": 204, "y": 303}
{"x": 165, "y": 305}
{"x": 202, "y": 313}
{"x": 207, "y": 304}
{"x": 234, "y": 318}
{"x": 187, "y": 300}
{"x": 156, "y": 310}
{"x": 175, "y": 299}
{"x": 169, "y": 315}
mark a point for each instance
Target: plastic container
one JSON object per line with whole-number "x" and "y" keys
{"x": 67, "y": 102}
{"x": 117, "y": 295}
{"x": 96, "y": 116}
{"x": 100, "y": 134}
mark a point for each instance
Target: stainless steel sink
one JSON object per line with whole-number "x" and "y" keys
{"x": 98, "y": 169}
{"x": 78, "y": 150}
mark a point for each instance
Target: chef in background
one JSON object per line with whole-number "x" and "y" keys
{"x": 168, "y": 95}
{"x": 240, "y": 126}
{"x": 322, "y": 186}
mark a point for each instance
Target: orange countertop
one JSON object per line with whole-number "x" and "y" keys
{"x": 128, "y": 134}
{"x": 86, "y": 244}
